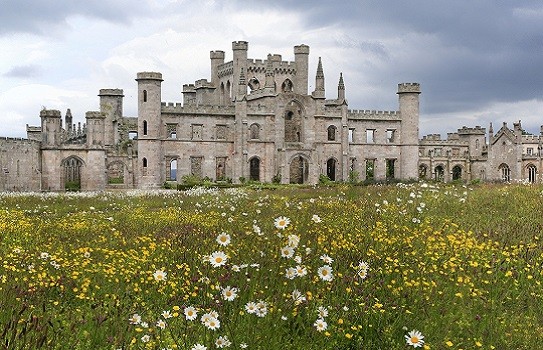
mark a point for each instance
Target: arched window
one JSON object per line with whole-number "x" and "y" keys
{"x": 72, "y": 173}
{"x": 145, "y": 127}
{"x": 505, "y": 172}
{"x": 456, "y": 172}
{"x": 423, "y": 171}
{"x": 253, "y": 84}
{"x": 439, "y": 173}
{"x": 173, "y": 170}
{"x": 144, "y": 95}
{"x": 287, "y": 86}
{"x": 254, "y": 131}
{"x": 331, "y": 169}
{"x": 532, "y": 173}
{"x": 254, "y": 169}
{"x": 332, "y": 133}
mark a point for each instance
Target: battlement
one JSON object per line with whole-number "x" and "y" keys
{"x": 189, "y": 88}
{"x": 530, "y": 138}
{"x": 202, "y": 83}
{"x": 453, "y": 136}
{"x": 301, "y": 49}
{"x": 149, "y": 76}
{"x": 431, "y": 137}
{"x": 225, "y": 69}
{"x": 50, "y": 113}
{"x": 280, "y": 67}
{"x": 18, "y": 140}
{"x": 477, "y": 130}
{"x": 216, "y": 55}
{"x": 373, "y": 114}
{"x": 408, "y": 88}
{"x": 111, "y": 92}
{"x": 240, "y": 45}
{"x": 178, "y": 108}
{"x": 95, "y": 115}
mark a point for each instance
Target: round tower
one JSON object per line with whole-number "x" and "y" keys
{"x": 217, "y": 58}
{"x": 408, "y": 94}
{"x": 111, "y": 105}
{"x": 150, "y": 168}
{"x": 50, "y": 127}
{"x": 301, "y": 58}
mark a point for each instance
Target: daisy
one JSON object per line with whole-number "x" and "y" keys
{"x": 281, "y": 222}
{"x": 322, "y": 311}
{"x": 298, "y": 297}
{"x": 290, "y": 273}
{"x": 362, "y": 265}
{"x": 326, "y": 259}
{"x": 320, "y": 324}
{"x": 135, "y": 319}
{"x": 287, "y": 252}
{"x": 223, "y": 239}
{"x": 325, "y": 273}
{"x": 161, "y": 324}
{"x": 293, "y": 240}
{"x": 229, "y": 293}
{"x": 251, "y": 307}
{"x": 159, "y": 275}
{"x": 191, "y": 313}
{"x": 166, "y": 314}
{"x": 415, "y": 339}
{"x": 301, "y": 271}
{"x": 213, "y": 323}
{"x": 223, "y": 342}
{"x": 316, "y": 219}
{"x": 198, "y": 347}
{"x": 217, "y": 259}
{"x": 145, "y": 338}
{"x": 363, "y": 274}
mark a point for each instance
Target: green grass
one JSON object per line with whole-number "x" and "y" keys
{"x": 461, "y": 264}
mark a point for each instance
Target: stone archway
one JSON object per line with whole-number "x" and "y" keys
{"x": 331, "y": 169}
{"x": 254, "y": 169}
{"x": 71, "y": 170}
{"x": 456, "y": 172}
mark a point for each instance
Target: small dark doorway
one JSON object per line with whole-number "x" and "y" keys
{"x": 331, "y": 169}
{"x": 254, "y": 169}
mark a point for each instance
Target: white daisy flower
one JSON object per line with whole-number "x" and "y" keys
{"x": 325, "y": 273}
{"x": 290, "y": 273}
{"x": 316, "y": 219}
{"x": 320, "y": 324}
{"x": 166, "y": 314}
{"x": 415, "y": 339}
{"x": 293, "y": 240}
{"x": 161, "y": 324}
{"x": 251, "y": 307}
{"x": 190, "y": 313}
{"x": 218, "y": 258}
{"x": 298, "y": 297}
{"x": 287, "y": 252}
{"x": 223, "y": 239}
{"x": 326, "y": 259}
{"x": 223, "y": 342}
{"x": 198, "y": 347}
{"x": 322, "y": 311}
{"x": 145, "y": 338}
{"x": 281, "y": 222}
{"x": 159, "y": 275}
{"x": 301, "y": 271}
{"x": 229, "y": 293}
{"x": 135, "y": 319}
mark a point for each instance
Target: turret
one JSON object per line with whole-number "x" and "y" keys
{"x": 150, "y": 155}
{"x": 319, "y": 82}
{"x": 111, "y": 105}
{"x": 217, "y": 58}
{"x": 269, "y": 84}
{"x": 239, "y": 49}
{"x": 341, "y": 88}
{"x": 50, "y": 126}
{"x": 68, "y": 120}
{"x": 301, "y": 58}
{"x": 95, "y": 128}
{"x": 408, "y": 95}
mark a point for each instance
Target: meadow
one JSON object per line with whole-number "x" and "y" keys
{"x": 422, "y": 265}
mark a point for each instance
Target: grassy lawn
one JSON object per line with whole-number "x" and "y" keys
{"x": 284, "y": 268}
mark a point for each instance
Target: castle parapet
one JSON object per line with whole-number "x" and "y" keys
{"x": 408, "y": 88}
{"x": 178, "y": 108}
{"x": 50, "y": 113}
{"x": 373, "y": 115}
{"x": 111, "y": 92}
{"x": 477, "y": 130}
{"x": 149, "y": 76}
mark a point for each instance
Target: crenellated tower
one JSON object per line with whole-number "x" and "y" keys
{"x": 408, "y": 95}
{"x": 150, "y": 154}
{"x": 301, "y": 58}
{"x": 111, "y": 105}
{"x": 95, "y": 129}
{"x": 51, "y": 128}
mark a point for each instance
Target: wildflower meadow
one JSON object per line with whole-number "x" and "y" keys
{"x": 430, "y": 266}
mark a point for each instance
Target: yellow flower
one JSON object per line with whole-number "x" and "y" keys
{"x": 449, "y": 343}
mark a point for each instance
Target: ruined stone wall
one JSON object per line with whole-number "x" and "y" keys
{"x": 19, "y": 164}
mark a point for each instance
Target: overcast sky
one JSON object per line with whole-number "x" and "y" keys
{"x": 477, "y": 61}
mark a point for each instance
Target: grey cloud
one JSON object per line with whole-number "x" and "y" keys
{"x": 28, "y": 71}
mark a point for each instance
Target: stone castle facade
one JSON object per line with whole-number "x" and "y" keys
{"x": 253, "y": 120}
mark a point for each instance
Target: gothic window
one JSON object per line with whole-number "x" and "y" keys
{"x": 254, "y": 130}
{"x": 530, "y": 151}
{"x": 439, "y": 173}
{"x": 287, "y": 86}
{"x": 423, "y": 171}
{"x": 505, "y": 172}
{"x": 456, "y": 172}
{"x": 144, "y": 95}
{"x": 254, "y": 169}
{"x": 391, "y": 135}
{"x": 197, "y": 130}
{"x": 477, "y": 144}
{"x": 72, "y": 172}
{"x": 145, "y": 127}
{"x": 331, "y": 169}
{"x": 332, "y": 133}
{"x": 351, "y": 135}
{"x": 370, "y": 136}
{"x": 532, "y": 173}
{"x": 172, "y": 171}
{"x": 172, "y": 131}
{"x": 253, "y": 84}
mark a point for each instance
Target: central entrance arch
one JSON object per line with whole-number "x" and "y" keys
{"x": 71, "y": 167}
{"x": 299, "y": 170}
